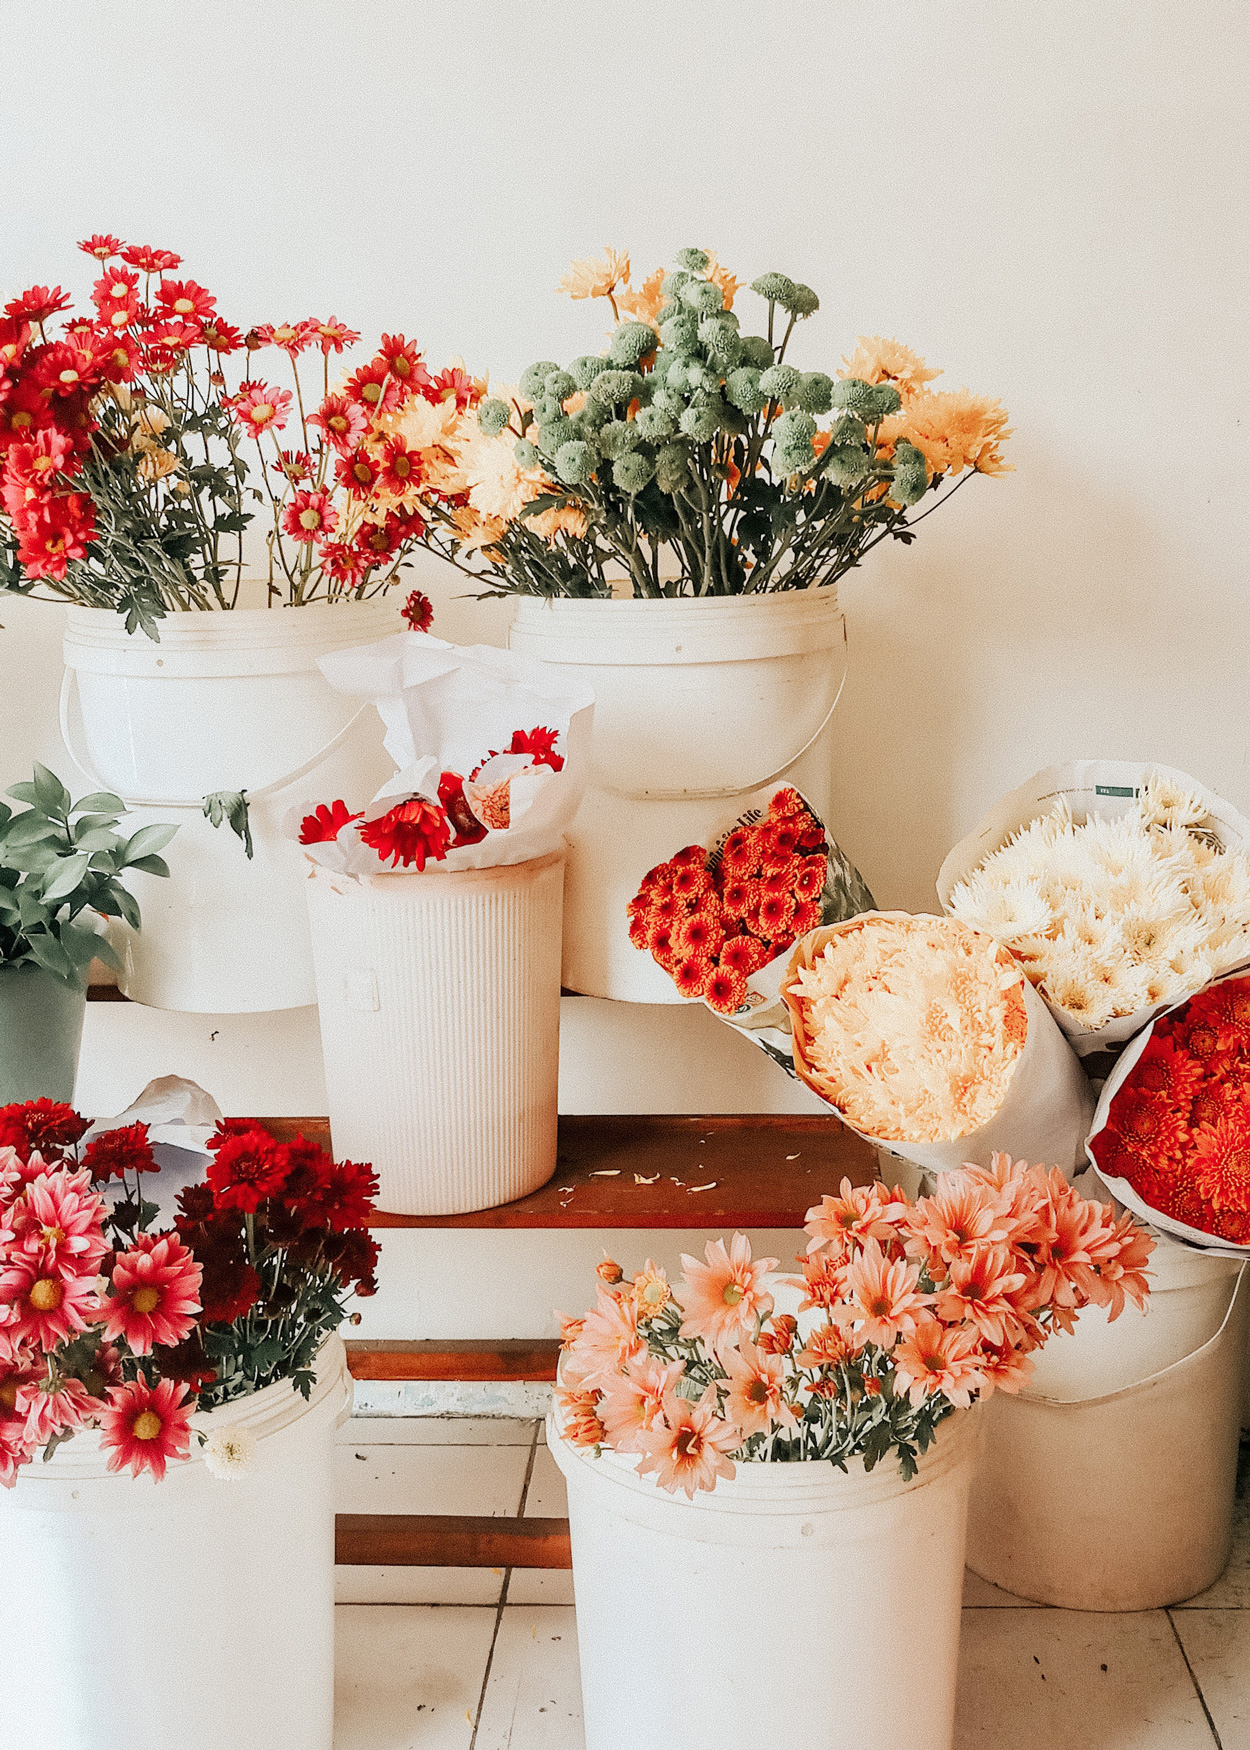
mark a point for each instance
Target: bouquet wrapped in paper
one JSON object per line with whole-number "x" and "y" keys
{"x": 1121, "y": 888}
{"x": 923, "y": 1035}
{"x": 490, "y": 748}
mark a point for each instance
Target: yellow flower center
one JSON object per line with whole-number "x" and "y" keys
{"x": 44, "y": 465}
{"x": 402, "y": 467}
{"x": 400, "y": 366}
{"x": 338, "y": 422}
{"x": 46, "y": 1295}
{"x": 363, "y": 473}
{"x": 184, "y": 306}
{"x": 145, "y": 1300}
{"x": 310, "y": 519}
{"x": 51, "y": 1236}
{"x": 21, "y": 421}
{"x": 262, "y": 413}
{"x": 120, "y": 289}
{"x": 118, "y": 319}
{"x": 69, "y": 376}
{"x": 146, "y": 1425}
{"x": 284, "y": 334}
{"x": 371, "y": 392}
{"x": 733, "y": 1293}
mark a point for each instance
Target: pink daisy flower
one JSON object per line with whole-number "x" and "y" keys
{"x": 858, "y": 1213}
{"x": 963, "y": 1213}
{"x": 68, "y": 1406}
{"x": 609, "y": 1338}
{"x": 689, "y": 1447}
{"x": 938, "y": 1358}
{"x": 725, "y": 1297}
{"x": 155, "y": 1294}
{"x": 309, "y": 516}
{"x": 756, "y": 1401}
{"x": 59, "y": 1222}
{"x": 144, "y": 1426}
{"x": 883, "y": 1300}
{"x": 633, "y": 1400}
{"x": 45, "y": 1307}
{"x": 979, "y": 1292}
{"x": 342, "y": 421}
{"x": 258, "y": 408}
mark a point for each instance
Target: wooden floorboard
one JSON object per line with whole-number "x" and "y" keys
{"x": 447, "y": 1540}
{"x": 506, "y": 1359}
{"x": 623, "y": 1171}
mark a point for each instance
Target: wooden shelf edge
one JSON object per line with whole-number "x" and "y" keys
{"x": 449, "y": 1540}
{"x": 431, "y": 1359}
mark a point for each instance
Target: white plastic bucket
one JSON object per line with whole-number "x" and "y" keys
{"x": 195, "y": 1611}
{"x": 439, "y": 999}
{"x": 1109, "y": 1483}
{"x": 225, "y": 701}
{"x": 699, "y": 702}
{"x": 718, "y": 1606}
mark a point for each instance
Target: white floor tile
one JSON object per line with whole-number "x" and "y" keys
{"x": 533, "y": 1699}
{"x": 1037, "y": 1679}
{"x": 1217, "y": 1643}
{"x": 547, "y": 1497}
{"x": 418, "y": 1585}
{"x": 408, "y": 1679}
{"x": 430, "y": 1479}
{"x": 437, "y": 1431}
{"x": 540, "y": 1586}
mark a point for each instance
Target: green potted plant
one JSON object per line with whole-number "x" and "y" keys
{"x": 61, "y": 864}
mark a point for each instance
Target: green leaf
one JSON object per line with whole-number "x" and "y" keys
{"x": 147, "y": 840}
{"x": 230, "y": 806}
{"x": 30, "y": 827}
{"x": 80, "y": 943}
{"x": 52, "y": 957}
{"x": 100, "y": 802}
{"x": 66, "y": 874}
{"x": 96, "y": 838}
{"x": 50, "y": 793}
{"x": 151, "y": 865}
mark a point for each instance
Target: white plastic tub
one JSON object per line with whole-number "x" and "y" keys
{"x": 1109, "y": 1483}
{"x": 225, "y": 701}
{"x": 715, "y": 1620}
{"x": 439, "y": 1000}
{"x": 193, "y": 1612}
{"x": 698, "y": 703}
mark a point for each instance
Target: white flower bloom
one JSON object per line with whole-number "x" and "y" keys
{"x": 1014, "y": 909}
{"x": 1163, "y": 803}
{"x": 228, "y": 1453}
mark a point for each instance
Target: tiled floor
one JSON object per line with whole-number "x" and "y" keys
{"x": 437, "y": 1659}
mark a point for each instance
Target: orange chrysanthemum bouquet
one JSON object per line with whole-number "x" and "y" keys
{"x": 903, "y": 1313}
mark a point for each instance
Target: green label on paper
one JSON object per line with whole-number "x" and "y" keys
{"x": 1114, "y": 790}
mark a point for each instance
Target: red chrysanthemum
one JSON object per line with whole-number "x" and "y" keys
{"x": 185, "y": 299}
{"x": 145, "y": 1426}
{"x": 418, "y": 610}
{"x": 539, "y": 744}
{"x": 246, "y": 1170}
{"x": 103, "y": 246}
{"x": 374, "y": 388}
{"x": 325, "y": 823}
{"x": 344, "y": 564}
{"x": 37, "y": 303}
{"x": 1166, "y": 1072}
{"x": 691, "y": 974}
{"x": 358, "y": 472}
{"x": 742, "y": 954}
{"x": 1221, "y": 1165}
{"x": 409, "y": 833}
{"x": 809, "y": 880}
{"x": 339, "y": 1195}
{"x": 310, "y": 516}
{"x": 47, "y": 1126}
{"x": 701, "y": 933}
{"x": 1147, "y": 1125}
{"x": 403, "y": 360}
{"x": 114, "y": 1153}
{"x": 185, "y": 1361}
{"x": 149, "y": 260}
{"x": 61, "y": 533}
{"x": 401, "y": 468}
{"x": 229, "y": 1290}
{"x": 776, "y": 914}
{"x": 221, "y": 337}
{"x": 726, "y": 991}
{"x": 355, "y": 1256}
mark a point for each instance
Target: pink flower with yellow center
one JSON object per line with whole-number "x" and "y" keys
{"x": 979, "y": 1292}
{"x": 725, "y": 1296}
{"x": 633, "y": 1400}
{"x": 145, "y": 1426}
{"x": 310, "y": 516}
{"x": 58, "y": 1222}
{"x": 857, "y": 1213}
{"x": 609, "y": 1337}
{"x": 938, "y": 1358}
{"x": 45, "y": 1306}
{"x": 258, "y": 408}
{"x": 756, "y": 1402}
{"x": 688, "y": 1447}
{"x": 883, "y": 1300}
{"x": 155, "y": 1294}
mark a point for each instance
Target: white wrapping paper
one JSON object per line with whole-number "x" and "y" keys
{"x": 1044, "y": 1117}
{"x": 1106, "y": 787}
{"x": 1120, "y": 1189}
{"x": 180, "y": 1117}
{"x": 445, "y": 707}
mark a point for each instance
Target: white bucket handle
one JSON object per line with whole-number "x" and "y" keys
{"x": 723, "y": 792}
{"x": 1139, "y": 1385}
{"x": 83, "y": 762}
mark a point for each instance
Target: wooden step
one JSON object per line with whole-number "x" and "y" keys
{"x": 504, "y": 1359}
{"x": 741, "y": 1170}
{"x": 449, "y": 1540}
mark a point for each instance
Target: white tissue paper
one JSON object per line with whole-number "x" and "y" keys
{"x": 180, "y": 1118}
{"x": 455, "y": 708}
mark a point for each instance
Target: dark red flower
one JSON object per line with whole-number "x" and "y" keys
{"x": 540, "y": 744}
{"x": 355, "y": 1256}
{"x": 409, "y": 833}
{"x": 246, "y": 1170}
{"x": 340, "y": 1195}
{"x": 325, "y": 824}
{"x": 47, "y": 1126}
{"x": 116, "y": 1152}
{"x": 418, "y": 610}
{"x": 228, "y": 1290}
{"x": 185, "y": 1362}
{"x": 469, "y": 829}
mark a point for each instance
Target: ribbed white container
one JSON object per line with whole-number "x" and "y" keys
{"x": 192, "y": 1612}
{"x": 699, "y": 701}
{"x": 794, "y": 1602}
{"x": 225, "y": 701}
{"x": 1109, "y": 1483}
{"x": 439, "y": 999}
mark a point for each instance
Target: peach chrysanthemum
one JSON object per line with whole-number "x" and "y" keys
{"x": 652, "y": 1292}
{"x": 877, "y": 360}
{"x": 857, "y": 1213}
{"x": 963, "y": 1215}
{"x": 688, "y": 1447}
{"x": 633, "y": 1400}
{"x": 579, "y": 1416}
{"x": 725, "y": 1296}
{"x": 953, "y": 430}
{"x": 498, "y": 485}
{"x": 609, "y": 1337}
{"x": 910, "y": 1026}
{"x": 590, "y": 278}
{"x": 643, "y": 305}
{"x": 883, "y": 1297}
{"x": 938, "y": 1358}
{"x": 756, "y": 1400}
{"x": 979, "y": 1293}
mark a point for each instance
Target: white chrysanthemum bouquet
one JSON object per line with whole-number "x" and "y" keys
{"x": 1117, "y": 899}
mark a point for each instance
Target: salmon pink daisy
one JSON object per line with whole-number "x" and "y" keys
{"x": 979, "y": 1293}
{"x": 724, "y": 1296}
{"x": 935, "y": 1357}
{"x": 258, "y": 408}
{"x": 579, "y": 1416}
{"x": 45, "y": 1306}
{"x": 145, "y": 1426}
{"x": 342, "y": 421}
{"x": 609, "y": 1338}
{"x": 58, "y": 1222}
{"x": 857, "y": 1213}
{"x": 333, "y": 335}
{"x": 688, "y": 1447}
{"x": 827, "y": 1346}
{"x": 883, "y": 1298}
{"x": 633, "y": 1399}
{"x": 310, "y": 516}
{"x": 756, "y": 1400}
{"x": 962, "y": 1216}
{"x": 155, "y": 1294}
{"x": 292, "y": 337}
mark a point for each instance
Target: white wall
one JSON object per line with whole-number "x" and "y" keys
{"x": 1050, "y": 201}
